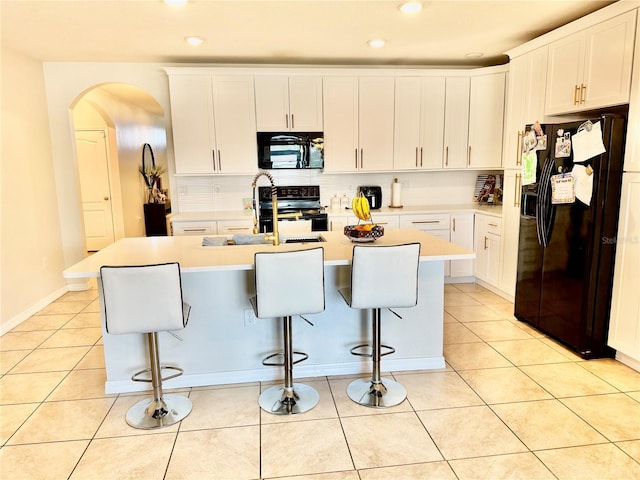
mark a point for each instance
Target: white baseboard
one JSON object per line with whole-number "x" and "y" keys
{"x": 270, "y": 374}
{"x": 32, "y": 310}
{"x": 628, "y": 361}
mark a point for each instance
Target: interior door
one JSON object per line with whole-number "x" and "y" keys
{"x": 91, "y": 150}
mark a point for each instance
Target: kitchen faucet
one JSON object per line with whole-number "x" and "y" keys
{"x": 275, "y": 236}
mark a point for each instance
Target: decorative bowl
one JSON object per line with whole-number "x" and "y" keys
{"x": 367, "y": 232}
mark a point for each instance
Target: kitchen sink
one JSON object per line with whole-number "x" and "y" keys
{"x": 260, "y": 240}
{"x": 303, "y": 239}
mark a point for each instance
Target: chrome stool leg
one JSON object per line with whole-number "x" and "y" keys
{"x": 376, "y": 392}
{"x": 162, "y": 410}
{"x": 290, "y": 398}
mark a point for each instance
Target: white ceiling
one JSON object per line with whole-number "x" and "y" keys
{"x": 281, "y": 32}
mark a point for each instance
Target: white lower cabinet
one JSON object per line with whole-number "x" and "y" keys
{"x": 387, "y": 221}
{"x": 436, "y": 224}
{"x": 461, "y": 233}
{"x": 488, "y": 246}
{"x": 232, "y": 227}
{"x": 624, "y": 328}
{"x": 208, "y": 227}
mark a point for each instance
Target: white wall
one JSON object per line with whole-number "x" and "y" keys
{"x": 65, "y": 83}
{"x": 31, "y": 259}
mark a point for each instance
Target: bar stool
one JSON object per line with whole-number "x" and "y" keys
{"x": 148, "y": 299}
{"x": 381, "y": 277}
{"x": 304, "y": 295}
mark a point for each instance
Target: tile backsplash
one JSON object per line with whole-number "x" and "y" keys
{"x": 225, "y": 193}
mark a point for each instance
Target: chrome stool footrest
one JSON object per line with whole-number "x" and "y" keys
{"x": 382, "y": 394}
{"x": 389, "y": 350}
{"x": 282, "y": 363}
{"x": 136, "y": 376}
{"x": 280, "y": 400}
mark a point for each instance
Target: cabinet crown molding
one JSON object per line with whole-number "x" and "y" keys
{"x": 605, "y": 13}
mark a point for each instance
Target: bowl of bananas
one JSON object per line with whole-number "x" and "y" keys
{"x": 363, "y": 232}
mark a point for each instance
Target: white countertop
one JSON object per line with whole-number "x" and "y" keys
{"x": 494, "y": 210}
{"x": 193, "y": 257}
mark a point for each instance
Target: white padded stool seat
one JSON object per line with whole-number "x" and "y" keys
{"x": 383, "y": 276}
{"x": 304, "y": 294}
{"x": 147, "y": 299}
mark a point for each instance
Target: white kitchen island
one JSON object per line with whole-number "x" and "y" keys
{"x": 220, "y": 346}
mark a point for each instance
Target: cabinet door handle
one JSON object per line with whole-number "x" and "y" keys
{"x": 420, "y": 156}
{"x": 213, "y": 156}
{"x": 427, "y": 221}
{"x": 454, "y": 224}
{"x": 195, "y": 230}
{"x": 446, "y": 156}
{"x": 416, "y": 156}
{"x": 361, "y": 157}
{"x": 485, "y": 242}
{"x": 293, "y": 121}
{"x": 575, "y": 94}
{"x": 519, "y": 149}
{"x": 286, "y": 120}
{"x": 356, "y": 156}
{"x": 583, "y": 90}
{"x": 516, "y": 190}
{"x": 233, "y": 229}
{"x": 219, "y": 161}
{"x": 469, "y": 156}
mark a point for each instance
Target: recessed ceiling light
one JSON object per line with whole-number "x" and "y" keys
{"x": 175, "y": 2}
{"x": 411, "y": 7}
{"x": 376, "y": 43}
{"x": 194, "y": 41}
{"x": 474, "y": 55}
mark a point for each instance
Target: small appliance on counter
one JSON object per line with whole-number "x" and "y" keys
{"x": 373, "y": 194}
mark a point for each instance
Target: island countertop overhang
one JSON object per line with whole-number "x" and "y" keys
{"x": 193, "y": 257}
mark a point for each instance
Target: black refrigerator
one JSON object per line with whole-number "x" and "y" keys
{"x": 566, "y": 251}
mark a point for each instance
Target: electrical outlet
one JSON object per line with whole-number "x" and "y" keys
{"x": 249, "y": 317}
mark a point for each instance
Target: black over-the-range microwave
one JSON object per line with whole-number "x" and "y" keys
{"x": 290, "y": 150}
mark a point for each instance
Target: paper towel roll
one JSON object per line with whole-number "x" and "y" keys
{"x": 396, "y": 194}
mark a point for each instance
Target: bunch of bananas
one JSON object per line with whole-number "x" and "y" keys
{"x": 360, "y": 207}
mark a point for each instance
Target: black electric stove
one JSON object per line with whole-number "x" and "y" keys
{"x": 302, "y": 199}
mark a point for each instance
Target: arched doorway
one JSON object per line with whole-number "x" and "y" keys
{"x": 111, "y": 124}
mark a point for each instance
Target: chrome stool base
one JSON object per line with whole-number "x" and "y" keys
{"x": 149, "y": 414}
{"x": 280, "y": 401}
{"x": 386, "y": 393}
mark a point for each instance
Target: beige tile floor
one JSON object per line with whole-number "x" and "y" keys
{"x": 511, "y": 403}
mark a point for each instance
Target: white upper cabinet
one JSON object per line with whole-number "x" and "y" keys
{"x": 419, "y": 123}
{"x": 486, "y": 121}
{"x": 456, "y": 122}
{"x": 526, "y": 93}
{"x": 288, "y": 103}
{"x": 340, "y": 105}
{"x": 375, "y": 123}
{"x": 592, "y": 68}
{"x": 462, "y": 234}
{"x": 213, "y": 122}
{"x": 358, "y": 119}
{"x": 474, "y": 121}
{"x": 235, "y": 125}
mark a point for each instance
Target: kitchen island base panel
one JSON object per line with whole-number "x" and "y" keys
{"x": 218, "y": 348}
